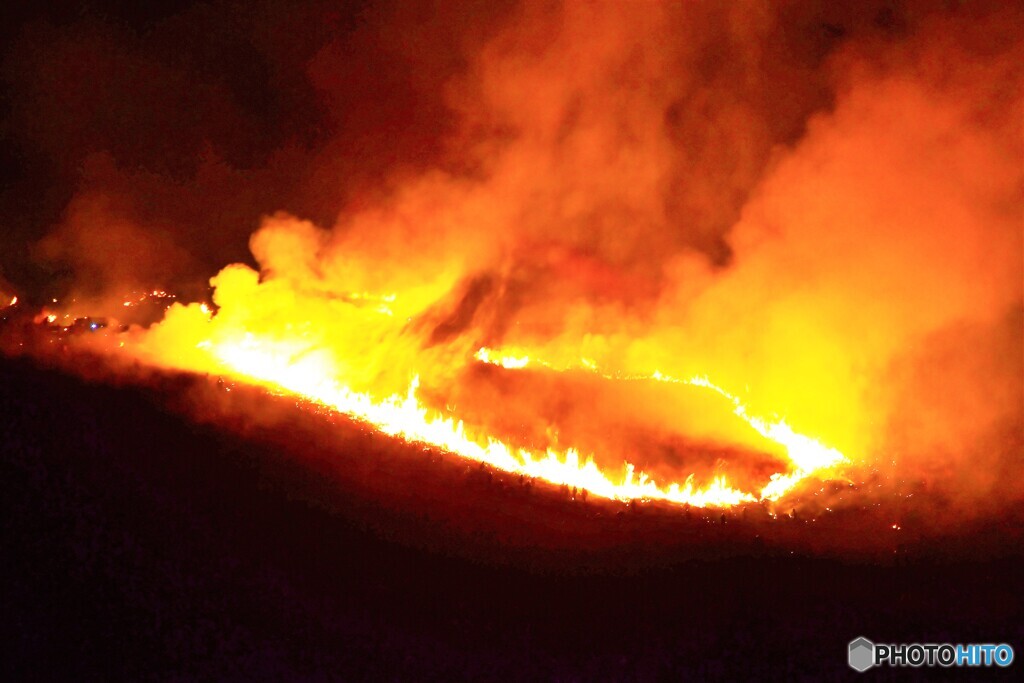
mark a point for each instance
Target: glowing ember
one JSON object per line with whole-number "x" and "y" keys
{"x": 139, "y": 298}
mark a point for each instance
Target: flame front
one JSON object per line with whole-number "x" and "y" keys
{"x": 284, "y": 360}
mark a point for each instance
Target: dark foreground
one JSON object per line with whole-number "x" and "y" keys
{"x": 139, "y": 544}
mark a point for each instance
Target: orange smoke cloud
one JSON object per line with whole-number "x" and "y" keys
{"x": 648, "y": 192}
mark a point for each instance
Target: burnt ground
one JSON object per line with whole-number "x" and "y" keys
{"x": 149, "y": 533}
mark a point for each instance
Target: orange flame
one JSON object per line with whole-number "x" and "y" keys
{"x": 284, "y": 361}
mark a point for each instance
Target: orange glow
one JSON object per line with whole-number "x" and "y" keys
{"x": 258, "y": 338}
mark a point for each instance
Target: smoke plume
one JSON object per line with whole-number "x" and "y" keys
{"x": 818, "y": 208}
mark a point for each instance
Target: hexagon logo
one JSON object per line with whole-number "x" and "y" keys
{"x": 862, "y": 654}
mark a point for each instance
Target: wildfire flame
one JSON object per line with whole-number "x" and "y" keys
{"x": 285, "y": 362}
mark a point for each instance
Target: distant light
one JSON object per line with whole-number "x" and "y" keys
{"x": 93, "y": 326}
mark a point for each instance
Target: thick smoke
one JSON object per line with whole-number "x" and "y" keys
{"x": 819, "y": 209}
